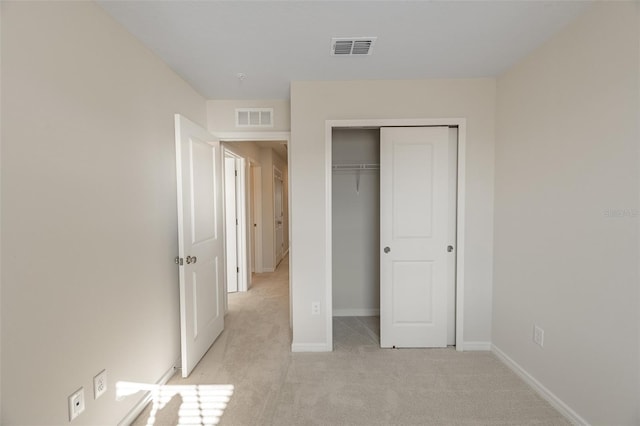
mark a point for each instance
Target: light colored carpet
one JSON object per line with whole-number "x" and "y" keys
{"x": 356, "y": 384}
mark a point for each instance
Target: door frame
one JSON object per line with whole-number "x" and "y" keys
{"x": 461, "y": 123}
{"x": 270, "y": 136}
{"x": 255, "y": 237}
{"x": 242, "y": 259}
{"x": 277, "y": 174}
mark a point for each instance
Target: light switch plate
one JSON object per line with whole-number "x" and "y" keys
{"x": 100, "y": 384}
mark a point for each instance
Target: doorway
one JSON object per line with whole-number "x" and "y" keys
{"x": 361, "y": 182}
{"x": 260, "y": 153}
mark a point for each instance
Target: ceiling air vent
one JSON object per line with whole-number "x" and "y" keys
{"x": 254, "y": 117}
{"x": 352, "y": 46}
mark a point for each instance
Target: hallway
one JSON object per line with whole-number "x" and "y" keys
{"x": 357, "y": 384}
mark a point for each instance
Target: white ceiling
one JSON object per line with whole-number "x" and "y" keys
{"x": 274, "y": 42}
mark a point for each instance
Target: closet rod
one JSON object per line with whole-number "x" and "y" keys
{"x": 357, "y": 168}
{"x": 350, "y": 167}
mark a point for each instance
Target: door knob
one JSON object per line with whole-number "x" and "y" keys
{"x": 191, "y": 259}
{"x": 387, "y": 249}
{"x": 188, "y": 260}
{"x": 449, "y": 249}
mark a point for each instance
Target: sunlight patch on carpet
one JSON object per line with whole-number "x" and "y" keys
{"x": 201, "y": 404}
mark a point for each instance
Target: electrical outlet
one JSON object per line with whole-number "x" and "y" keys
{"x": 538, "y": 335}
{"x": 100, "y": 384}
{"x": 76, "y": 404}
{"x": 315, "y": 308}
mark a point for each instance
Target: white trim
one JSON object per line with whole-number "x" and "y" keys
{"x": 476, "y": 346}
{"x": 311, "y": 347}
{"x": 130, "y": 417}
{"x": 460, "y": 220}
{"x": 328, "y": 248}
{"x": 545, "y": 393}
{"x": 290, "y": 221}
{"x": 242, "y": 256}
{"x": 253, "y": 136}
{"x": 461, "y": 231}
{"x": 268, "y": 270}
{"x": 243, "y": 246}
{"x": 370, "y": 312}
{"x": 277, "y": 175}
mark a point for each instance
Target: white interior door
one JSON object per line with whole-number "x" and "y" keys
{"x": 200, "y": 240}
{"x": 252, "y": 218}
{"x": 414, "y": 205}
{"x": 231, "y": 220}
{"x": 278, "y": 195}
{"x": 257, "y": 217}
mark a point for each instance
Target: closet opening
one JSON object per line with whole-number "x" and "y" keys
{"x": 423, "y": 176}
{"x": 356, "y": 236}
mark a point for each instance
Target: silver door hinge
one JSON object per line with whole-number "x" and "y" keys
{"x": 179, "y": 260}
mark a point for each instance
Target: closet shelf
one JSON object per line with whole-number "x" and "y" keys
{"x": 355, "y": 167}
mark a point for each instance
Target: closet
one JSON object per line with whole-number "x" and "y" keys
{"x": 418, "y": 189}
{"x": 356, "y": 222}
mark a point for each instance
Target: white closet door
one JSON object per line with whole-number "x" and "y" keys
{"x": 414, "y": 205}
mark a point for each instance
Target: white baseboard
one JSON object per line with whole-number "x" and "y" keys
{"x": 476, "y": 346}
{"x": 356, "y": 312}
{"x": 545, "y": 393}
{"x": 311, "y": 347}
{"x": 146, "y": 398}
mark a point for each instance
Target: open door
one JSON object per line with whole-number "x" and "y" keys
{"x": 414, "y": 227}
{"x": 200, "y": 240}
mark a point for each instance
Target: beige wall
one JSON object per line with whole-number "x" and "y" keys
{"x": 566, "y": 214}
{"x": 248, "y": 150}
{"x": 221, "y": 115}
{"x": 312, "y": 103}
{"x": 88, "y": 211}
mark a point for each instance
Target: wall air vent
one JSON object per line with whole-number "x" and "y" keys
{"x": 254, "y": 117}
{"x": 352, "y": 46}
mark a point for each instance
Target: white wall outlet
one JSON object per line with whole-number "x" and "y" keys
{"x": 100, "y": 384}
{"x": 538, "y": 335}
{"x": 76, "y": 404}
{"x": 315, "y": 308}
